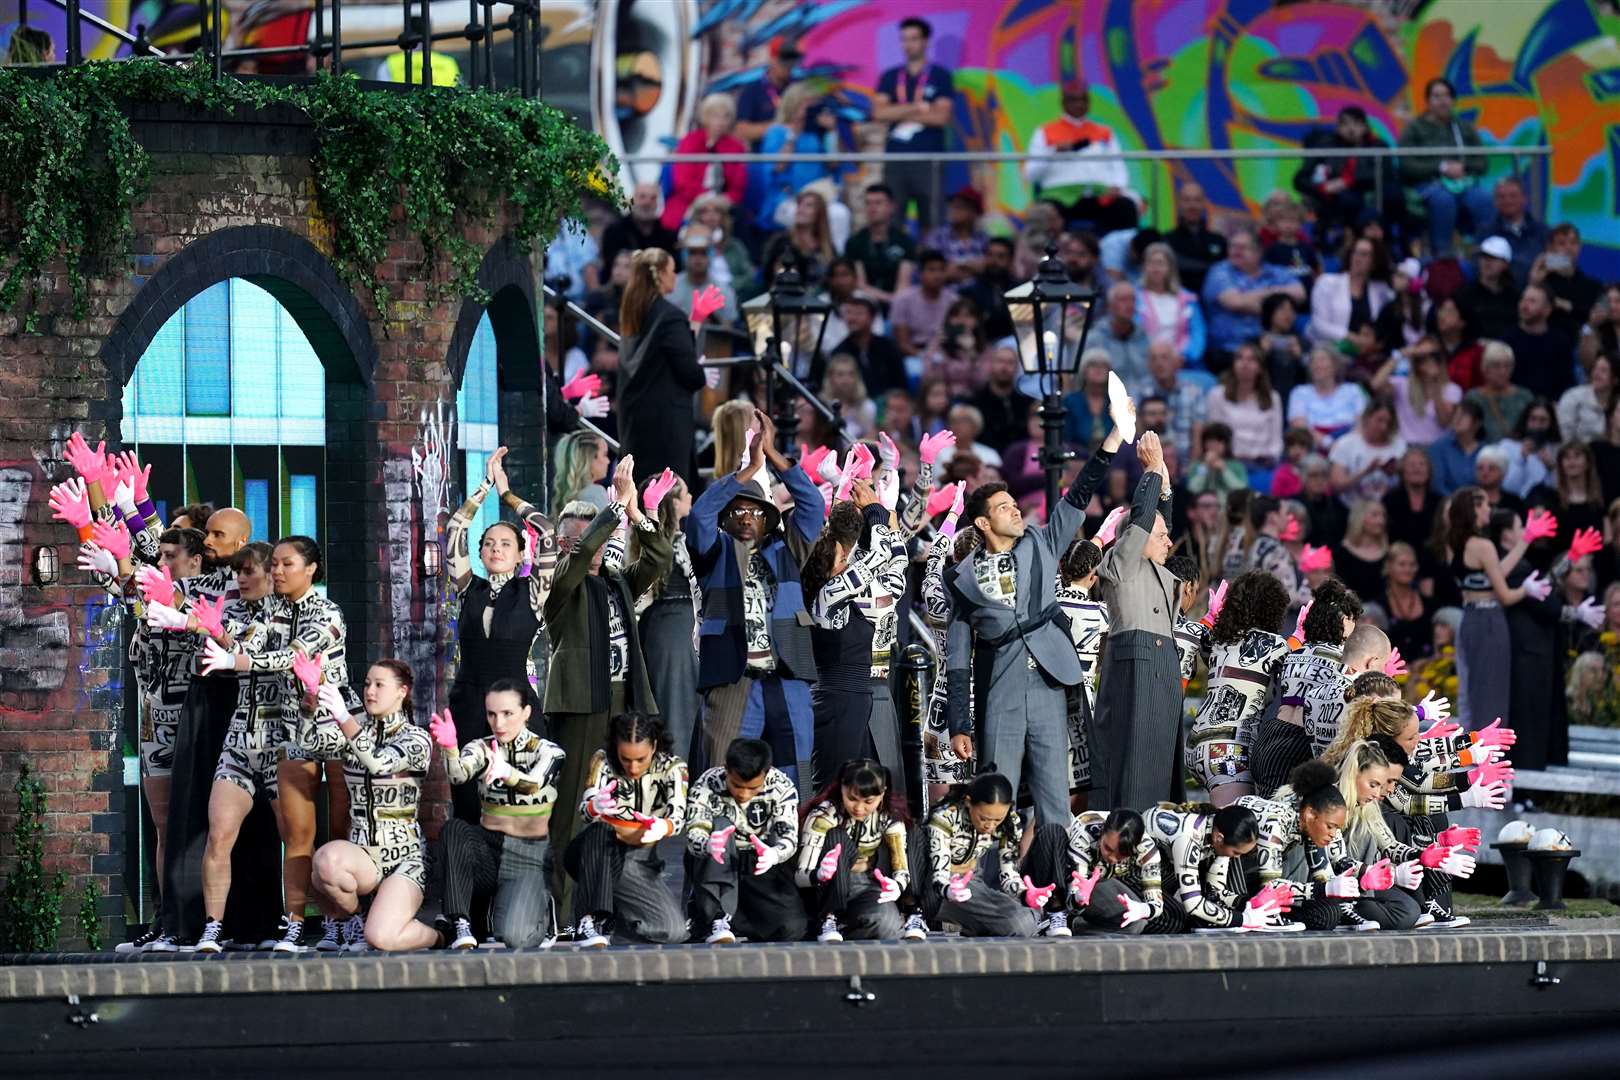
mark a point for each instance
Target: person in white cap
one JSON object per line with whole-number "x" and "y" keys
{"x": 1492, "y": 298}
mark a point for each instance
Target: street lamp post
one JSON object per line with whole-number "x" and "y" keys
{"x": 792, "y": 336}
{"x": 1042, "y": 321}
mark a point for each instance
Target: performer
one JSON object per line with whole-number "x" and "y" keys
{"x": 1192, "y": 635}
{"x": 1368, "y": 772}
{"x": 855, "y": 857}
{"x": 1274, "y": 530}
{"x": 941, "y": 766}
{"x": 1077, "y": 594}
{"x": 496, "y": 629}
{"x": 504, "y": 855}
{"x": 1281, "y": 742}
{"x": 658, "y": 369}
{"x": 1008, "y": 645}
{"x": 635, "y": 796}
{"x": 1295, "y": 831}
{"x": 1134, "y": 758}
{"x": 1114, "y": 873}
{"x": 669, "y": 613}
{"x": 1366, "y": 652}
{"x": 1246, "y": 652}
{"x": 755, "y": 658}
{"x": 974, "y": 878}
{"x": 752, "y": 883}
{"x": 596, "y": 670}
{"x": 1204, "y": 847}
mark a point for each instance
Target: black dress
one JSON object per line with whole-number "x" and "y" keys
{"x": 1536, "y": 698}
{"x": 1364, "y": 577}
{"x": 503, "y": 653}
{"x": 1412, "y": 526}
{"x": 658, "y": 375}
{"x": 1414, "y": 637}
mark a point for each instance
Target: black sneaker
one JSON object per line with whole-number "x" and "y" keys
{"x": 292, "y": 936}
{"x": 213, "y": 938}
{"x": 1444, "y": 918}
{"x": 1350, "y": 920}
{"x": 141, "y": 942}
{"x": 331, "y": 936}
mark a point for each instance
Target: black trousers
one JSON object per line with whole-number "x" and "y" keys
{"x": 467, "y": 710}
{"x": 1278, "y": 747}
{"x": 1104, "y": 217}
{"x": 625, "y": 884}
{"x": 762, "y": 907}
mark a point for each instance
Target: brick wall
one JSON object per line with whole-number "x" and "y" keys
{"x": 230, "y": 197}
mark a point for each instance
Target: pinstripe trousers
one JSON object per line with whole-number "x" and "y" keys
{"x": 481, "y": 862}
{"x": 624, "y": 882}
{"x": 1134, "y": 757}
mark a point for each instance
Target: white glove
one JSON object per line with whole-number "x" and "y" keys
{"x": 123, "y": 497}
{"x": 216, "y": 659}
{"x": 1435, "y": 707}
{"x": 1118, "y": 408}
{"x": 828, "y": 470}
{"x": 1537, "y": 587}
{"x": 1590, "y": 613}
{"x": 593, "y": 406}
{"x": 711, "y": 375}
{"x": 1259, "y": 916}
{"x": 1409, "y": 875}
{"x": 1344, "y": 886}
{"x": 1486, "y": 796}
{"x": 957, "y": 890}
{"x": 889, "y": 489}
{"x": 603, "y": 804}
{"x": 764, "y": 857}
{"x": 499, "y": 770}
{"x": 1459, "y": 864}
{"x": 888, "y": 888}
{"x": 1485, "y": 753}
{"x": 331, "y": 696}
{"x": 656, "y": 831}
{"x": 93, "y": 558}
{"x": 164, "y": 617}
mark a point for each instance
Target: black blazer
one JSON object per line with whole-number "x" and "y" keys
{"x": 655, "y": 393}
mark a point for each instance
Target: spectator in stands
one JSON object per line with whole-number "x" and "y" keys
{"x": 1601, "y": 334}
{"x": 1606, "y": 561}
{"x": 807, "y": 123}
{"x": 1405, "y": 318}
{"x": 1081, "y": 256}
{"x": 604, "y": 302}
{"x": 1490, "y": 473}
{"x": 1197, "y": 248}
{"x": 959, "y": 352}
{"x": 1358, "y": 559}
{"x": 756, "y": 104}
{"x": 810, "y": 239}
{"x": 1247, "y": 404}
{"x": 1500, "y": 402}
{"x": 1448, "y": 187}
{"x": 882, "y": 366}
{"x": 1532, "y": 449}
{"x": 1182, "y": 397}
{"x": 696, "y": 276}
{"x": 1166, "y": 311}
{"x": 1004, "y": 408}
{"x": 1543, "y": 355}
{"x": 1234, "y": 291}
{"x": 1289, "y": 479}
{"x": 717, "y": 115}
{"x": 1451, "y": 327}
{"x": 1366, "y": 460}
{"x": 1327, "y": 514}
{"x": 1411, "y": 614}
{"x": 883, "y": 254}
{"x": 1526, "y": 236}
{"x": 1413, "y": 503}
{"x": 1424, "y": 397}
{"x": 933, "y": 403}
{"x": 989, "y": 288}
{"x": 1121, "y": 337}
{"x": 640, "y": 228}
{"x": 1286, "y": 244}
{"x": 1216, "y": 470}
{"x": 959, "y": 237}
{"x": 729, "y": 261}
{"x": 1454, "y": 453}
{"x": 966, "y": 422}
{"x": 573, "y": 254}
{"x": 1572, "y": 292}
{"x": 839, "y": 287}
{"x": 916, "y": 100}
{"x": 1583, "y": 410}
{"x": 1086, "y": 421}
{"x": 1340, "y": 189}
{"x": 1021, "y": 460}
{"x": 1282, "y": 348}
{"x": 1325, "y": 405}
{"x": 561, "y": 340}
{"x": 1091, "y": 187}
{"x": 1492, "y": 298}
{"x": 842, "y": 386}
{"x": 918, "y": 311}
{"x": 1359, "y": 292}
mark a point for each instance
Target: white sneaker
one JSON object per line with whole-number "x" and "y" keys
{"x": 720, "y": 933}
{"x": 463, "y": 938}
{"x": 164, "y": 943}
{"x": 1057, "y": 925}
{"x": 141, "y": 942}
{"x": 354, "y": 934}
{"x": 331, "y": 936}
{"x": 829, "y": 930}
{"x": 1279, "y": 925}
{"x": 587, "y": 936}
{"x": 212, "y": 938}
{"x": 292, "y": 936}
{"x": 916, "y": 928}
{"x": 1423, "y": 920}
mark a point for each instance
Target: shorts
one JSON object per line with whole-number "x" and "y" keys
{"x": 401, "y": 854}
{"x": 248, "y": 760}
{"x": 1217, "y": 762}
{"x": 157, "y": 748}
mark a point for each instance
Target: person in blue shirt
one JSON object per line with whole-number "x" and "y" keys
{"x": 1234, "y": 292}
{"x": 1452, "y": 454}
{"x": 915, "y": 99}
{"x": 757, "y": 102}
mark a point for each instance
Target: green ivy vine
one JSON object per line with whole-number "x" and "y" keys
{"x": 71, "y": 169}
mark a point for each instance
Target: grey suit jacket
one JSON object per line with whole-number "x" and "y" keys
{"x": 1141, "y": 595}
{"x": 976, "y": 616}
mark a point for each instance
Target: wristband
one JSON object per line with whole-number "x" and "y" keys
{"x": 1419, "y": 710}
{"x": 146, "y": 508}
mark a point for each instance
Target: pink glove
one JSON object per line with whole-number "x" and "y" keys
{"x": 1035, "y": 898}
{"x": 1585, "y": 542}
{"x": 113, "y": 537}
{"x": 717, "y": 843}
{"x": 1409, "y": 875}
{"x": 1343, "y": 886}
{"x": 1442, "y": 729}
{"x": 1312, "y": 559}
{"x": 210, "y": 616}
{"x": 1135, "y": 911}
{"x": 307, "y": 669}
{"x": 531, "y": 543}
{"x": 70, "y": 503}
{"x": 1290, "y": 531}
{"x": 1217, "y": 600}
{"x": 603, "y": 804}
{"x": 948, "y": 526}
{"x": 216, "y": 659}
{"x": 652, "y": 829}
{"x": 1080, "y": 888}
{"x": 581, "y": 385}
{"x": 156, "y": 584}
{"x": 1110, "y": 526}
{"x": 829, "y": 864}
{"x": 443, "y": 729}
{"x": 930, "y": 447}
{"x": 764, "y": 857}
{"x": 864, "y": 461}
{"x": 1494, "y": 734}
{"x": 1394, "y": 666}
{"x": 1490, "y": 773}
{"x": 941, "y": 499}
{"x": 657, "y": 490}
{"x": 499, "y": 770}
{"x": 810, "y": 460}
{"x": 888, "y": 888}
{"x": 957, "y": 890}
{"x": 1539, "y": 525}
{"x": 90, "y": 464}
{"x": 1299, "y": 626}
{"x": 1459, "y": 836}
{"x": 706, "y": 302}
{"x": 1537, "y": 587}
{"x": 1282, "y": 896}
{"x": 1377, "y": 877}
{"x": 1433, "y": 855}
{"x": 131, "y": 472}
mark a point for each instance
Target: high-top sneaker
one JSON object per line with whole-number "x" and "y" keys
{"x": 1057, "y": 925}
{"x": 1350, "y": 919}
{"x": 141, "y": 942}
{"x": 354, "y": 934}
{"x": 720, "y": 933}
{"x": 916, "y": 928}
{"x": 292, "y": 936}
{"x": 829, "y": 930}
{"x": 213, "y": 937}
{"x": 587, "y": 936}
{"x": 331, "y": 936}
{"x": 1444, "y": 917}
{"x": 164, "y": 943}
{"x": 463, "y": 937}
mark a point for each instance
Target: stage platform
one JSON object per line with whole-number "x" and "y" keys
{"x": 1205, "y": 1004}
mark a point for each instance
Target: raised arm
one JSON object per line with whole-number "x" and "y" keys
{"x": 461, "y": 571}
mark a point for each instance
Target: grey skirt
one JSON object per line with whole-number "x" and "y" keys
{"x": 1484, "y": 660}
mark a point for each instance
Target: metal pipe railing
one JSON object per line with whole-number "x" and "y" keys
{"x": 1002, "y": 156}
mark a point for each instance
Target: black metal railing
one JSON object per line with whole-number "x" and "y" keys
{"x": 518, "y": 20}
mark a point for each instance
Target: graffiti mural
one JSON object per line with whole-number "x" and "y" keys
{"x": 34, "y": 637}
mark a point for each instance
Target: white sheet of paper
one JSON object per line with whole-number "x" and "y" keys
{"x": 1117, "y": 397}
